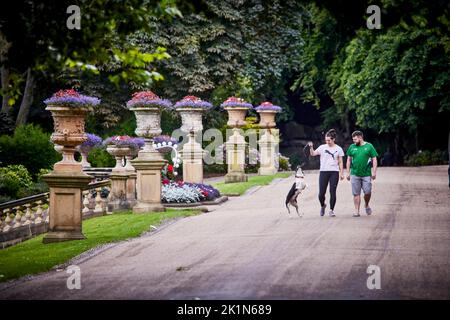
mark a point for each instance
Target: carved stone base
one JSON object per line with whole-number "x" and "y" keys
{"x": 65, "y": 216}
{"x": 117, "y": 199}
{"x": 148, "y": 167}
{"x": 267, "y": 171}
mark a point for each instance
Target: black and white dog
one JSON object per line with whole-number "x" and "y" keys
{"x": 296, "y": 189}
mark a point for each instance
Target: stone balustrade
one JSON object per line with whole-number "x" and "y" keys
{"x": 27, "y": 217}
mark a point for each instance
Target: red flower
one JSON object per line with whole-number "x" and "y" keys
{"x": 234, "y": 99}
{"x": 165, "y": 181}
{"x": 267, "y": 103}
{"x": 191, "y": 98}
{"x": 170, "y": 168}
{"x": 65, "y": 93}
{"x": 148, "y": 95}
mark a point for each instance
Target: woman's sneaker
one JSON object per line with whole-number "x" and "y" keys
{"x": 331, "y": 213}
{"x": 322, "y": 210}
{"x": 356, "y": 214}
{"x": 368, "y": 211}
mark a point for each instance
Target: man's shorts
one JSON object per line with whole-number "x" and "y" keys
{"x": 358, "y": 183}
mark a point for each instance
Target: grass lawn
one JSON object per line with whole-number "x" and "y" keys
{"x": 32, "y": 256}
{"x": 241, "y": 187}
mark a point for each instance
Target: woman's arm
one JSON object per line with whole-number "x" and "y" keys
{"x": 312, "y": 152}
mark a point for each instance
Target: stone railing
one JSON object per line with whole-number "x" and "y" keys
{"x": 27, "y": 217}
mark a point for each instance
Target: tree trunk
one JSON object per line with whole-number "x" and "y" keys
{"x": 4, "y": 73}
{"x": 27, "y": 99}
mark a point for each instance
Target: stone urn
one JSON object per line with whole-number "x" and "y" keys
{"x": 236, "y": 116}
{"x": 68, "y": 133}
{"x": 118, "y": 152}
{"x": 237, "y": 109}
{"x": 191, "y": 119}
{"x": 267, "y": 112}
{"x": 191, "y": 110}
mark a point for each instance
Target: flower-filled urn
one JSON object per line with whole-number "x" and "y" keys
{"x": 267, "y": 112}
{"x": 69, "y": 109}
{"x": 237, "y": 109}
{"x": 191, "y": 109}
{"x": 147, "y": 107}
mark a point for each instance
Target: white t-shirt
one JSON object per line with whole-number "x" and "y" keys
{"x": 329, "y": 157}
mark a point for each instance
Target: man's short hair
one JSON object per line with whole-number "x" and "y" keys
{"x": 357, "y": 133}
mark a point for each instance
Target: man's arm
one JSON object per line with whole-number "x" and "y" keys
{"x": 349, "y": 160}
{"x": 374, "y": 168}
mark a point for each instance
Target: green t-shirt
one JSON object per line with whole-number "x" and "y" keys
{"x": 361, "y": 156}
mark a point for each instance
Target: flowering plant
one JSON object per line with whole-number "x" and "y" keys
{"x": 266, "y": 105}
{"x": 164, "y": 140}
{"x": 148, "y": 99}
{"x": 125, "y": 141}
{"x": 193, "y": 102}
{"x": 71, "y": 98}
{"x": 233, "y": 102}
{"x": 91, "y": 142}
{"x": 185, "y": 192}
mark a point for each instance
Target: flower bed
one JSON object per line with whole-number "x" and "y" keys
{"x": 184, "y": 192}
{"x": 193, "y": 102}
{"x": 71, "y": 98}
{"x": 148, "y": 99}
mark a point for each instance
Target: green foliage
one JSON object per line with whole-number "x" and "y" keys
{"x": 29, "y": 146}
{"x": 426, "y": 158}
{"x": 100, "y": 158}
{"x": 284, "y": 164}
{"x": 14, "y": 181}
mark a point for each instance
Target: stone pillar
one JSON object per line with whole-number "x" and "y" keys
{"x": 192, "y": 155}
{"x": 117, "y": 199}
{"x": 131, "y": 182}
{"x": 235, "y": 147}
{"x": 268, "y": 146}
{"x": 148, "y": 166}
{"x": 67, "y": 180}
{"x": 149, "y": 161}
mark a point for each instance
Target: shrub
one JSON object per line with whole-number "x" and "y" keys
{"x": 99, "y": 157}
{"x": 15, "y": 180}
{"x": 426, "y": 158}
{"x": 28, "y": 146}
{"x": 284, "y": 164}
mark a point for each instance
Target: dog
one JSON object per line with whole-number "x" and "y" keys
{"x": 296, "y": 189}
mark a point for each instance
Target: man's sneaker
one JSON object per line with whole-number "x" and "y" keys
{"x": 322, "y": 211}
{"x": 368, "y": 211}
{"x": 331, "y": 213}
{"x": 356, "y": 215}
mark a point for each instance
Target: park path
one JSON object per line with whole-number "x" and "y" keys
{"x": 248, "y": 248}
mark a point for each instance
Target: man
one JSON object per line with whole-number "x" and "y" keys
{"x": 362, "y": 159}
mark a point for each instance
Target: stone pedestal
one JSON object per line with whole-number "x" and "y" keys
{"x": 131, "y": 182}
{"x": 117, "y": 199}
{"x": 235, "y": 147}
{"x": 65, "y": 216}
{"x": 268, "y": 146}
{"x": 148, "y": 167}
{"x": 192, "y": 155}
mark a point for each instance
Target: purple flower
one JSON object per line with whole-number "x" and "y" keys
{"x": 193, "y": 102}
{"x": 71, "y": 98}
{"x": 233, "y": 102}
{"x": 268, "y": 106}
{"x": 148, "y": 99}
{"x": 165, "y": 138}
{"x": 91, "y": 142}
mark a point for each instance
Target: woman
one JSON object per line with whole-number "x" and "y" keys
{"x": 331, "y": 167}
